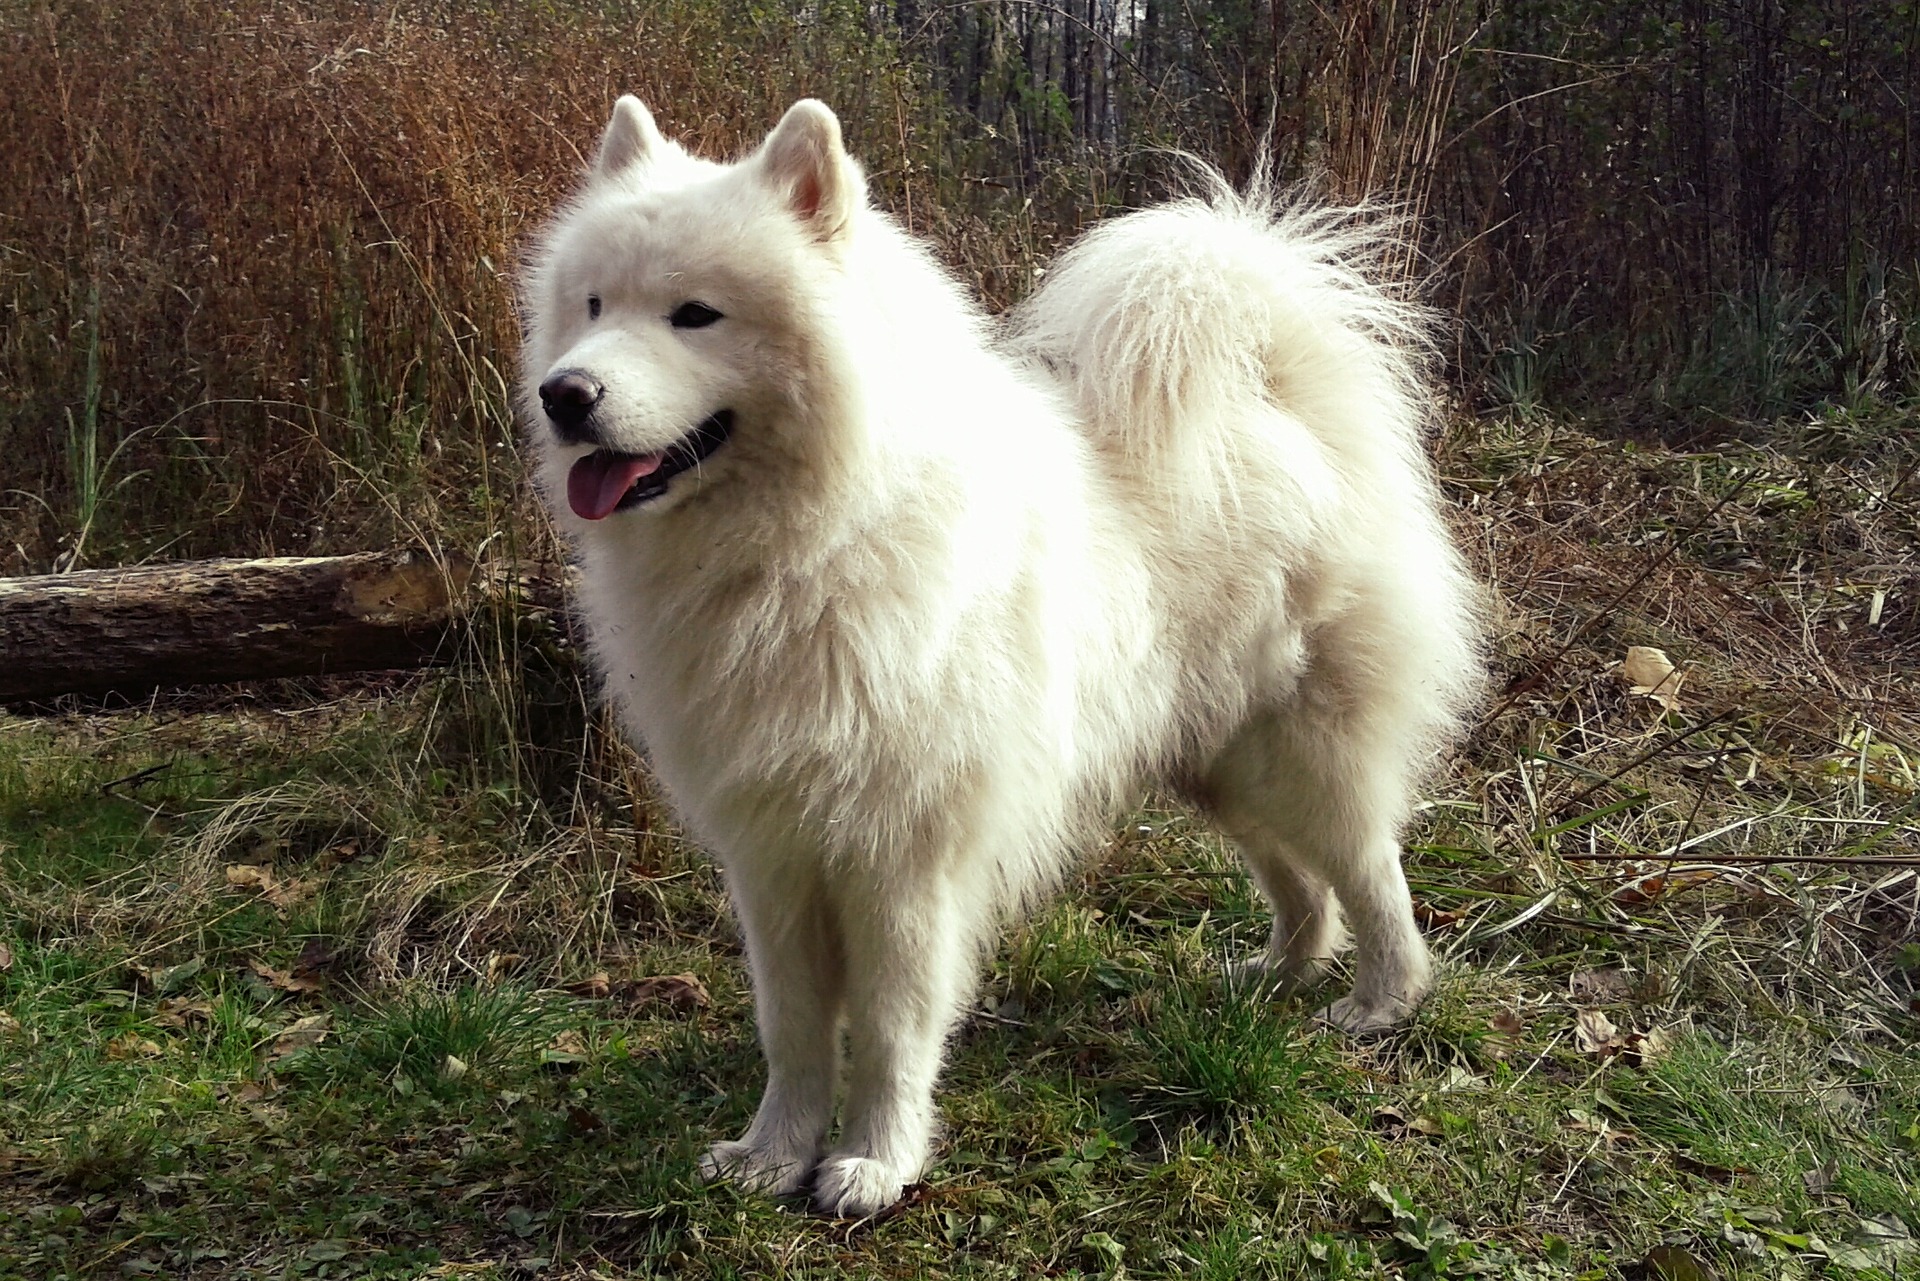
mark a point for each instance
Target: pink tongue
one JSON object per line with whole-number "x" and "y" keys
{"x": 597, "y": 482}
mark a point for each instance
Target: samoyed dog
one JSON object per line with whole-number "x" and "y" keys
{"x": 906, "y": 603}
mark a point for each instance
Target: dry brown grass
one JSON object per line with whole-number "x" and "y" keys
{"x": 258, "y": 262}
{"x": 1767, "y": 824}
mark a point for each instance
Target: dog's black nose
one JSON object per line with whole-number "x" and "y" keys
{"x": 568, "y": 397}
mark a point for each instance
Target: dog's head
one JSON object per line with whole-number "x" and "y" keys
{"x": 676, "y": 312}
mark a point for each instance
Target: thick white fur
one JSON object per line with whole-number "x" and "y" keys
{"x": 952, "y": 595}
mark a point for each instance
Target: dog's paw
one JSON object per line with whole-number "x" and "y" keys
{"x": 757, "y": 1169}
{"x": 1356, "y": 1017}
{"x": 1261, "y": 975}
{"x": 854, "y": 1187}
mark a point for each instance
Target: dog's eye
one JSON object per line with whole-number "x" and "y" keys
{"x": 693, "y": 315}
{"x": 593, "y": 306}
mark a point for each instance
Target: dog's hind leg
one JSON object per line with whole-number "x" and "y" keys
{"x": 795, "y": 952}
{"x": 1315, "y": 811}
{"x": 1239, "y": 792}
{"x": 1306, "y": 921}
{"x": 910, "y": 956}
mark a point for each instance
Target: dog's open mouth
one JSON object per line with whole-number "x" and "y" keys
{"x": 605, "y": 482}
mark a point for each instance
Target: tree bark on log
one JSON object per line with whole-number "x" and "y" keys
{"x": 217, "y": 621}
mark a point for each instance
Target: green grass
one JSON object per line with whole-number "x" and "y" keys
{"x": 449, "y": 857}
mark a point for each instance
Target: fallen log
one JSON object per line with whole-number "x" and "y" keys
{"x": 218, "y": 621}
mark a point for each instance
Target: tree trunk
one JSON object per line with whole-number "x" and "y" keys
{"x": 217, "y": 621}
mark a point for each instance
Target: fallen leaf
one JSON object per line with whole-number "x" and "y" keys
{"x": 1507, "y": 1023}
{"x": 567, "y": 1050}
{"x": 1104, "y": 1250}
{"x": 251, "y": 876}
{"x": 328, "y": 1251}
{"x": 1649, "y": 673}
{"x": 282, "y": 894}
{"x": 344, "y": 852}
{"x": 301, "y": 1034}
{"x": 581, "y": 1120}
{"x": 179, "y": 1011}
{"x": 1594, "y": 1033}
{"x": 1642, "y": 1048}
{"x": 1434, "y": 918}
{"x": 6, "y": 958}
{"x": 1885, "y": 1243}
{"x": 1599, "y": 987}
{"x": 1581, "y": 1121}
{"x": 453, "y": 1067}
{"x": 1884, "y": 1229}
{"x": 1395, "y": 1123}
{"x": 1676, "y": 1263}
{"x": 596, "y": 987}
{"x": 315, "y": 958}
{"x": 168, "y": 1185}
{"x": 1845, "y": 1257}
{"x": 168, "y": 978}
{"x": 1648, "y": 888}
{"x": 254, "y": 1091}
{"x": 133, "y": 1045}
{"x": 683, "y": 992}
{"x": 9, "y": 1026}
{"x": 282, "y": 980}
{"x": 500, "y": 964}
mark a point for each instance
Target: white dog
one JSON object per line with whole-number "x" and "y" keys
{"x": 905, "y": 607}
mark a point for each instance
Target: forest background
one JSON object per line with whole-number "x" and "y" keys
{"x": 249, "y": 255}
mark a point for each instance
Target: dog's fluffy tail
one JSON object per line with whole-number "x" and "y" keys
{"x": 1165, "y": 324}
{"x": 1247, "y": 337}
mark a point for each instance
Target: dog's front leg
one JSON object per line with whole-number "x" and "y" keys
{"x": 795, "y": 954}
{"x": 909, "y": 964}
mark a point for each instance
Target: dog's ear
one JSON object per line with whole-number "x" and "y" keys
{"x": 631, "y": 138}
{"x": 806, "y": 162}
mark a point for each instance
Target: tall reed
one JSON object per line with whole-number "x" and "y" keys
{"x": 264, "y": 256}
